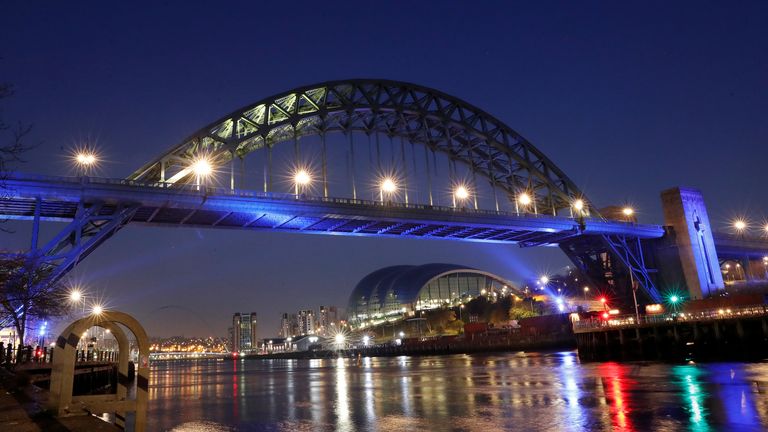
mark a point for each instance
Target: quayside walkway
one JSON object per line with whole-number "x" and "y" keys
{"x": 737, "y": 333}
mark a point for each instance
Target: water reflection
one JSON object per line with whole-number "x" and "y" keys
{"x": 469, "y": 393}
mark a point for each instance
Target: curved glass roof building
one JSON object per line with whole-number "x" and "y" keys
{"x": 393, "y": 292}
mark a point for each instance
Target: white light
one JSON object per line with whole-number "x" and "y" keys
{"x": 388, "y": 185}
{"x": 75, "y": 295}
{"x": 97, "y": 310}
{"x": 461, "y": 193}
{"x": 85, "y": 158}
{"x": 628, "y": 211}
{"x": 402, "y": 334}
{"x": 766, "y": 228}
{"x": 302, "y": 177}
{"x": 544, "y": 280}
{"x": 524, "y": 199}
{"x": 339, "y": 338}
{"x": 366, "y": 340}
{"x": 202, "y": 167}
{"x": 578, "y": 204}
{"x": 740, "y": 225}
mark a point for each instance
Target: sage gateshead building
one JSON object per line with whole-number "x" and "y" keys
{"x": 397, "y": 292}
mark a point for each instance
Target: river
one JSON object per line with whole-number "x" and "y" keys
{"x": 482, "y": 392}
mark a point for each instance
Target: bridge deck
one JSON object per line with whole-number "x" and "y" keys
{"x": 162, "y": 204}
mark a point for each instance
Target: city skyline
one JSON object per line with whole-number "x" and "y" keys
{"x": 640, "y": 91}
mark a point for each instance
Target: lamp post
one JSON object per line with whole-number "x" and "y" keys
{"x": 388, "y": 187}
{"x": 300, "y": 180}
{"x": 586, "y": 290}
{"x": 85, "y": 161}
{"x": 202, "y": 168}
{"x": 460, "y": 194}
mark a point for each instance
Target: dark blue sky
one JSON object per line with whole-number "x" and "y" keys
{"x": 626, "y": 100}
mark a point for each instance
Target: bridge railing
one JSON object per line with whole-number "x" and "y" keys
{"x": 623, "y": 321}
{"x": 221, "y": 191}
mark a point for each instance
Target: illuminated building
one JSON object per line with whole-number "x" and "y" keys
{"x": 394, "y": 292}
{"x": 244, "y": 332}
{"x": 306, "y": 322}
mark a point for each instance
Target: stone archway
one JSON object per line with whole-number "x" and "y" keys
{"x": 62, "y": 402}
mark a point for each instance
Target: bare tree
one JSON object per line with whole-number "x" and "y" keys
{"x": 26, "y": 295}
{"x": 12, "y": 142}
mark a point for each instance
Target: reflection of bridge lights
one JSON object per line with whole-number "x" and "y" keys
{"x": 628, "y": 211}
{"x": 524, "y": 199}
{"x": 461, "y": 193}
{"x": 202, "y": 167}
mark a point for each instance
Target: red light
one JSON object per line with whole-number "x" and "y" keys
{"x": 605, "y": 315}
{"x": 234, "y": 354}
{"x": 603, "y": 300}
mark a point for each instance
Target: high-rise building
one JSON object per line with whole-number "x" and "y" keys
{"x": 244, "y": 332}
{"x": 286, "y": 326}
{"x": 306, "y": 321}
{"x": 327, "y": 318}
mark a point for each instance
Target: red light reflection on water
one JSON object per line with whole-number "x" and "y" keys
{"x": 235, "y": 413}
{"x": 617, "y": 385}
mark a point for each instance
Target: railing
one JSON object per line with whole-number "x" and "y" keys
{"x": 623, "y": 321}
{"x": 11, "y": 356}
{"x": 218, "y": 191}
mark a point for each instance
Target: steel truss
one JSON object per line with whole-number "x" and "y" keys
{"x": 420, "y": 115}
{"x": 93, "y": 224}
{"x": 603, "y": 258}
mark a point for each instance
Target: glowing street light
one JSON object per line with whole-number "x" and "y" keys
{"x": 544, "y": 280}
{"x": 97, "y": 310}
{"x": 578, "y": 205}
{"x": 740, "y": 225}
{"x": 339, "y": 338}
{"x": 202, "y": 168}
{"x": 628, "y": 211}
{"x": 75, "y": 296}
{"x": 388, "y": 185}
{"x": 524, "y": 199}
{"x": 460, "y": 193}
{"x": 85, "y": 160}
{"x": 301, "y": 179}
{"x": 366, "y": 340}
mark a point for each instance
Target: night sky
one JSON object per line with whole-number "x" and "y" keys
{"x": 626, "y": 100}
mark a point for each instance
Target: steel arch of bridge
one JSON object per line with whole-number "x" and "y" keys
{"x": 442, "y": 123}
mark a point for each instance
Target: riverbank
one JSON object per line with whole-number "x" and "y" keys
{"x": 432, "y": 347}
{"x": 22, "y": 409}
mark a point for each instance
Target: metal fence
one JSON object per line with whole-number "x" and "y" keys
{"x": 622, "y": 321}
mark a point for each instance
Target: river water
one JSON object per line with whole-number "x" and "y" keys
{"x": 488, "y": 392}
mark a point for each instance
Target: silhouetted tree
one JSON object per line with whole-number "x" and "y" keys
{"x": 26, "y": 295}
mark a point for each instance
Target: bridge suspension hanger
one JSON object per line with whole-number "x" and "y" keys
{"x": 405, "y": 169}
{"x": 352, "y": 163}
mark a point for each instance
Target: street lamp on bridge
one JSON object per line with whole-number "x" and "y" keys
{"x": 461, "y": 193}
{"x": 301, "y": 180}
{"x": 388, "y": 186}
{"x": 202, "y": 168}
{"x": 85, "y": 160}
